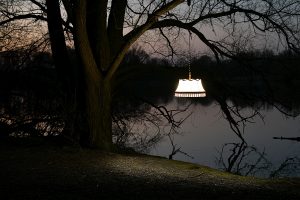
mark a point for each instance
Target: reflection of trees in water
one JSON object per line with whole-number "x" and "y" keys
{"x": 143, "y": 127}
{"x": 245, "y": 160}
{"x": 241, "y": 159}
{"x": 260, "y": 83}
{"x": 289, "y": 167}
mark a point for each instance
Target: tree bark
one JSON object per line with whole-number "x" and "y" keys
{"x": 57, "y": 41}
{"x": 65, "y": 70}
{"x": 98, "y": 94}
{"x": 96, "y": 26}
{"x": 97, "y": 90}
{"x": 115, "y": 26}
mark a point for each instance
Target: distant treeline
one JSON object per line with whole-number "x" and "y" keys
{"x": 255, "y": 76}
{"x": 255, "y": 73}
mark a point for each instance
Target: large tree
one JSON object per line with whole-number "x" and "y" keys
{"x": 103, "y": 31}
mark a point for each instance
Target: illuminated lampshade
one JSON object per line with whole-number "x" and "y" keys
{"x": 190, "y": 88}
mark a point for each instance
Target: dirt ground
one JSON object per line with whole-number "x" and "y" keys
{"x": 40, "y": 170}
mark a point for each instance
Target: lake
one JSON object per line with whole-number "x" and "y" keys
{"x": 206, "y": 130}
{"x": 257, "y": 83}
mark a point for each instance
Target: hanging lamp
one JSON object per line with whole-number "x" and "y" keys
{"x": 190, "y": 87}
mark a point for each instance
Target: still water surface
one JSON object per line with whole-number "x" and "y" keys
{"x": 206, "y": 130}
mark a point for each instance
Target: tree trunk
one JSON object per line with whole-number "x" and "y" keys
{"x": 98, "y": 94}
{"x": 97, "y": 88}
{"x": 65, "y": 70}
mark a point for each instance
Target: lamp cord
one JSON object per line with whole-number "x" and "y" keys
{"x": 189, "y": 63}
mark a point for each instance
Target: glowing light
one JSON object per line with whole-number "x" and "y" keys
{"x": 190, "y": 88}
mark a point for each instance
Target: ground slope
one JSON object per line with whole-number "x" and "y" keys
{"x": 43, "y": 171}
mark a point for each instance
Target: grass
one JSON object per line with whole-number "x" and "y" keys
{"x": 35, "y": 169}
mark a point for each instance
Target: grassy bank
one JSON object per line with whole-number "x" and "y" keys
{"x": 47, "y": 170}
